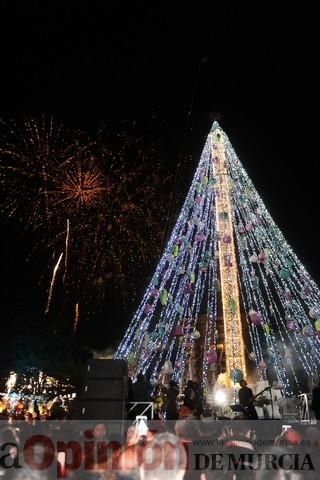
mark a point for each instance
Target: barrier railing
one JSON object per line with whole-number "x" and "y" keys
{"x": 146, "y": 407}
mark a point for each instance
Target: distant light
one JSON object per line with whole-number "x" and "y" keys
{"x": 11, "y": 382}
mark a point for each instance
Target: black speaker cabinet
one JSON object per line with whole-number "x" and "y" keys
{"x": 106, "y": 369}
{"x": 100, "y": 410}
{"x": 105, "y": 388}
{"x": 104, "y": 391}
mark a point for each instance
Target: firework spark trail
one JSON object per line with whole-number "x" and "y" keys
{"x": 66, "y": 251}
{"x": 76, "y": 319}
{"x": 52, "y": 283}
{"x": 45, "y": 178}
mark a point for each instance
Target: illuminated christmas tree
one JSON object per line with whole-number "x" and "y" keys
{"x": 228, "y": 292}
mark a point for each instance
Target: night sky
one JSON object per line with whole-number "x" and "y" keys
{"x": 87, "y": 62}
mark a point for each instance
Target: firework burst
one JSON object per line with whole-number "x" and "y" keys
{"x": 81, "y": 184}
{"x": 98, "y": 200}
{"x": 31, "y": 159}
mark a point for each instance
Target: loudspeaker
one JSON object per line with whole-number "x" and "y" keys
{"x": 100, "y": 410}
{"x": 106, "y": 369}
{"x": 99, "y": 389}
{"x": 104, "y": 391}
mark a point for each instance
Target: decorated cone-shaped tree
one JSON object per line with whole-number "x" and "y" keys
{"x": 227, "y": 261}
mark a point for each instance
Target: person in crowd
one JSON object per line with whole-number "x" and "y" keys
{"x": 184, "y": 412}
{"x": 289, "y": 437}
{"x": 141, "y": 389}
{"x": 35, "y": 416}
{"x": 283, "y": 472}
{"x": 187, "y": 430}
{"x": 129, "y": 387}
{"x": 315, "y": 402}
{"x": 238, "y": 433}
{"x": 140, "y": 392}
{"x": 132, "y": 436}
{"x": 57, "y": 412}
{"x": 170, "y": 404}
{"x": 100, "y": 432}
{"x": 98, "y": 435}
{"x": 169, "y": 458}
{"x": 192, "y": 399}
{"x": 126, "y": 465}
{"x": 246, "y": 399}
{"x": 158, "y": 397}
{"x": 236, "y": 441}
{"x": 19, "y": 409}
{"x": 28, "y": 417}
{"x": 313, "y": 435}
{"x": 4, "y": 408}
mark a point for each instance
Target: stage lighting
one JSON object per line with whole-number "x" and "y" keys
{"x": 220, "y": 397}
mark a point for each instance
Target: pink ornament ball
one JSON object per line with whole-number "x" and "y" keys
{"x": 306, "y": 290}
{"x": 212, "y": 357}
{"x": 287, "y": 295}
{"x": 188, "y": 288}
{"x": 200, "y": 237}
{"x": 179, "y": 331}
{"x": 262, "y": 365}
{"x": 226, "y": 238}
{"x": 147, "y": 308}
{"x": 255, "y": 317}
{"x": 290, "y": 325}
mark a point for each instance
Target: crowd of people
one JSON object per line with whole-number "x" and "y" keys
{"x": 31, "y": 409}
{"x": 175, "y": 451}
{"x": 181, "y": 421}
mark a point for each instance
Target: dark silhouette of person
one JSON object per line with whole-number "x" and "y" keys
{"x": 141, "y": 390}
{"x": 246, "y": 400}
{"x": 315, "y": 402}
{"x": 129, "y": 389}
{"x": 192, "y": 398}
{"x": 170, "y": 407}
{"x": 57, "y": 411}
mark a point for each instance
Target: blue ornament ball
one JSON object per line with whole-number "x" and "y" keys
{"x": 236, "y": 375}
